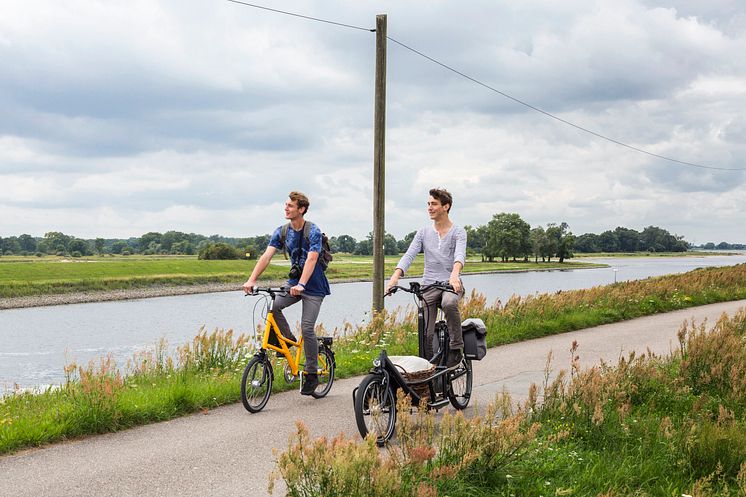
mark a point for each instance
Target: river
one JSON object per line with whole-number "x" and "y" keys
{"x": 35, "y": 343}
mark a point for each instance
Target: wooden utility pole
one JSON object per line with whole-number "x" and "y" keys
{"x": 379, "y": 163}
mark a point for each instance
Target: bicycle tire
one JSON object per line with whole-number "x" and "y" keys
{"x": 375, "y": 402}
{"x": 326, "y": 375}
{"x": 459, "y": 389}
{"x": 256, "y": 384}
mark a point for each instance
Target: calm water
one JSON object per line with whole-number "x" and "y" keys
{"x": 36, "y": 343}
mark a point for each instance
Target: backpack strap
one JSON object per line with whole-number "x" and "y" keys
{"x": 283, "y": 237}
{"x": 307, "y": 232}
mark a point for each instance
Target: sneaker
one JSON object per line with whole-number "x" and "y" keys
{"x": 454, "y": 358}
{"x": 309, "y": 384}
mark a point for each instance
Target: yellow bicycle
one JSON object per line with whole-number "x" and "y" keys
{"x": 256, "y": 383}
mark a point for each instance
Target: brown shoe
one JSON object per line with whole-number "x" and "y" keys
{"x": 454, "y": 358}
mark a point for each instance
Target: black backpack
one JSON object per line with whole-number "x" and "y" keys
{"x": 325, "y": 256}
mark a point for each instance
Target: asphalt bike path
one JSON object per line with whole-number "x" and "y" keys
{"x": 230, "y": 452}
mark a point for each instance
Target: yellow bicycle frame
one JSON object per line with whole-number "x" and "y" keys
{"x": 284, "y": 349}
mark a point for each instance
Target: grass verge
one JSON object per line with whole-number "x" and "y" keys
{"x": 648, "y": 426}
{"x": 205, "y": 373}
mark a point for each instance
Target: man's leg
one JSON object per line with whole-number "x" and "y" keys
{"x": 431, "y": 297}
{"x": 449, "y": 303}
{"x": 281, "y": 302}
{"x": 311, "y": 308}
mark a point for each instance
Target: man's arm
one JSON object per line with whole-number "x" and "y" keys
{"x": 459, "y": 259}
{"x": 259, "y": 268}
{"x": 414, "y": 248}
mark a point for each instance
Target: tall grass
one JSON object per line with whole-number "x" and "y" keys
{"x": 648, "y": 426}
{"x": 205, "y": 373}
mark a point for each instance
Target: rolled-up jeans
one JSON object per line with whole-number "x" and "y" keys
{"x": 448, "y": 301}
{"x": 311, "y": 308}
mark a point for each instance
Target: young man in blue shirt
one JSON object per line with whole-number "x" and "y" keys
{"x": 310, "y": 286}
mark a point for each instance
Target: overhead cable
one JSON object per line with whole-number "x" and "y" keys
{"x": 491, "y": 88}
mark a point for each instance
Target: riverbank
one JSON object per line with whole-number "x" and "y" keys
{"x": 196, "y": 288}
{"x": 30, "y": 282}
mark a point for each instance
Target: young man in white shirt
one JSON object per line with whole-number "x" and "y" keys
{"x": 444, "y": 245}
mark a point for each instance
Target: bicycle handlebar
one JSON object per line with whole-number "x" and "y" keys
{"x": 417, "y": 289}
{"x": 271, "y": 291}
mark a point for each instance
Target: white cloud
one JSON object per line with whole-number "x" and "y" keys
{"x": 123, "y": 118}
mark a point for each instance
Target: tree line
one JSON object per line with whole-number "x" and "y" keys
{"x": 505, "y": 237}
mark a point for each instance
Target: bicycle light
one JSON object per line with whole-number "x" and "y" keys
{"x": 377, "y": 363}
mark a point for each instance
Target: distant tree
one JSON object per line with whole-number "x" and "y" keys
{"x": 150, "y": 243}
{"x": 56, "y": 242}
{"x": 561, "y": 240}
{"x": 474, "y": 238}
{"x": 390, "y": 246}
{"x": 261, "y": 242}
{"x": 588, "y": 242}
{"x": 507, "y": 236}
{"x": 99, "y": 243}
{"x": 539, "y": 244}
{"x": 221, "y": 251}
{"x": 28, "y": 243}
{"x": 708, "y": 246}
{"x": 628, "y": 239}
{"x": 10, "y": 245}
{"x": 365, "y": 247}
{"x": 80, "y": 246}
{"x": 608, "y": 241}
{"x": 345, "y": 243}
{"x": 406, "y": 241}
{"x": 120, "y": 246}
{"x": 184, "y": 247}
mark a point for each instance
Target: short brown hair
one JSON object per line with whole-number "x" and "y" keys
{"x": 300, "y": 199}
{"x": 443, "y": 196}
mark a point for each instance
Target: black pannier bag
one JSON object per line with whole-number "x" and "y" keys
{"x": 475, "y": 338}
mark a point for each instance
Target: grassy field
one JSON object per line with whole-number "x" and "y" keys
{"x": 206, "y": 372}
{"x": 25, "y": 276}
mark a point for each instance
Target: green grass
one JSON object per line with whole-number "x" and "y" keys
{"x": 27, "y": 276}
{"x": 205, "y": 373}
{"x": 647, "y": 426}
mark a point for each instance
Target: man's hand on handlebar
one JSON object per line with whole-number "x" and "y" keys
{"x": 248, "y": 287}
{"x": 455, "y": 282}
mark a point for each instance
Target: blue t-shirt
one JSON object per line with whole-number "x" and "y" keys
{"x": 317, "y": 285}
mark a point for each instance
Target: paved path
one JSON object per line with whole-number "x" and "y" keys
{"x": 229, "y": 452}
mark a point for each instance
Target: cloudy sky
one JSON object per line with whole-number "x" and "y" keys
{"x": 120, "y": 118}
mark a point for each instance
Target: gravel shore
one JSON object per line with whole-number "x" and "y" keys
{"x": 133, "y": 293}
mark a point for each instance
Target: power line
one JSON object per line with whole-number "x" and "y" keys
{"x": 303, "y": 17}
{"x": 564, "y": 121}
{"x": 491, "y": 88}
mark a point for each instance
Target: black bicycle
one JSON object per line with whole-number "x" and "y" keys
{"x": 437, "y": 385}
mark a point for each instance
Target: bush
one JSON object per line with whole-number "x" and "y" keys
{"x": 219, "y": 251}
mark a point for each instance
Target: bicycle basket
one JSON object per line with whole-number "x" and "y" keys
{"x": 414, "y": 369}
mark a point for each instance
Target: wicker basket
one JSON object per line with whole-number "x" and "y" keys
{"x": 422, "y": 389}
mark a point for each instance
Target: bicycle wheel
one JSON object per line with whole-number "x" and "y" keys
{"x": 459, "y": 385}
{"x": 256, "y": 384}
{"x": 326, "y": 373}
{"x": 375, "y": 409}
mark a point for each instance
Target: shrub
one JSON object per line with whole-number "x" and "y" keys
{"x": 219, "y": 251}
